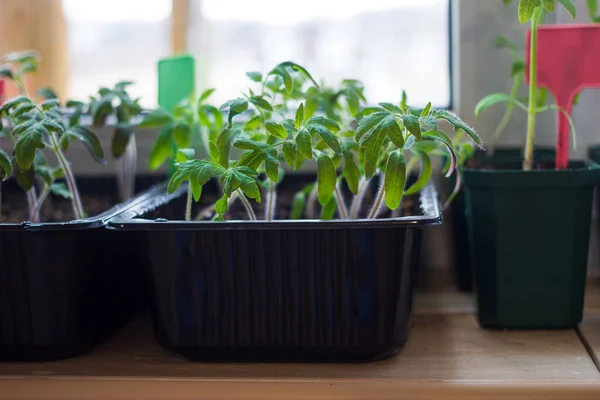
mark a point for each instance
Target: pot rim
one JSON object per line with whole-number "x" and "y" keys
{"x": 130, "y": 221}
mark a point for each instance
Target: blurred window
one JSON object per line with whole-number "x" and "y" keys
{"x": 388, "y": 44}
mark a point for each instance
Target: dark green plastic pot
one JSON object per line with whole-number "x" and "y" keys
{"x": 463, "y": 270}
{"x": 529, "y": 234}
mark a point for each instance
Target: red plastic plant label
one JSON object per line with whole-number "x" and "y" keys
{"x": 568, "y": 61}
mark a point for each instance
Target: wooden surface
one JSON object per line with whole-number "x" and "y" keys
{"x": 447, "y": 356}
{"x": 39, "y": 25}
{"x": 589, "y": 330}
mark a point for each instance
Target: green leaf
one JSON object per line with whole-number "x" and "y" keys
{"x": 224, "y": 141}
{"x": 176, "y": 180}
{"x": 576, "y": 98}
{"x": 221, "y": 205}
{"x": 162, "y": 149}
{"x": 412, "y": 124}
{"x": 391, "y": 108}
{"x": 304, "y": 143}
{"x": 458, "y": 124}
{"x": 5, "y": 166}
{"x": 255, "y": 76}
{"x": 122, "y": 85}
{"x": 205, "y": 111}
{"x": 329, "y": 209}
{"x": 526, "y": 9}
{"x": 50, "y": 104}
{"x": 390, "y": 128}
{"x": 351, "y": 171}
{"x": 253, "y": 123}
{"x": 570, "y": 7}
{"x": 541, "y": 95}
{"x": 425, "y": 174}
{"x": 272, "y": 166}
{"x": 326, "y": 122}
{"x": 299, "y": 116}
{"x": 395, "y": 178}
{"x": 251, "y": 190}
{"x": 426, "y": 110}
{"x": 242, "y": 177}
{"x": 214, "y": 152}
{"x": 326, "y": 178}
{"x": 184, "y": 155}
{"x": 25, "y": 179}
{"x": 27, "y": 144}
{"x": 518, "y": 67}
{"x": 12, "y": 103}
{"x": 157, "y": 119}
{"x": 353, "y": 101}
{"x": 236, "y": 107}
{"x": 329, "y": 138}
{"x": 372, "y": 150}
{"x": 300, "y": 69}
{"x": 52, "y": 126}
{"x": 276, "y": 129}
{"x": 298, "y": 206}
{"x": 549, "y": 5}
{"x": 89, "y": 140}
{"x": 46, "y": 93}
{"x": 205, "y": 95}
{"x": 368, "y": 123}
{"x": 101, "y": 110}
{"x": 260, "y": 102}
{"x": 44, "y": 172}
{"x": 503, "y": 43}
{"x": 120, "y": 139}
{"x": 197, "y": 172}
{"x": 182, "y": 135}
{"x": 22, "y": 109}
{"x": 287, "y": 78}
{"x": 493, "y": 99}
{"x": 592, "y": 8}
{"x": 404, "y": 101}
{"x": 246, "y": 144}
{"x": 60, "y": 189}
{"x": 290, "y": 153}
{"x": 6, "y": 72}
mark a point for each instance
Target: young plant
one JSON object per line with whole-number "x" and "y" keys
{"x": 117, "y": 101}
{"x": 529, "y": 11}
{"x": 374, "y": 142}
{"x": 188, "y": 122}
{"x": 44, "y": 126}
{"x": 14, "y": 68}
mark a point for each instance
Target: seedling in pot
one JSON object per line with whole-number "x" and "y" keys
{"x": 14, "y": 68}
{"x": 117, "y": 102}
{"x": 531, "y": 11}
{"x": 35, "y": 127}
{"x": 375, "y": 142}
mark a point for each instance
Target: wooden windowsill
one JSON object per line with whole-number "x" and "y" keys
{"x": 447, "y": 356}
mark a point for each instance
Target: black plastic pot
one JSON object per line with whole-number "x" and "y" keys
{"x": 65, "y": 287}
{"x": 280, "y": 290}
{"x": 529, "y": 233}
{"x": 463, "y": 269}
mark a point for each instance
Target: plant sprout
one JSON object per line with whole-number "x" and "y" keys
{"x": 44, "y": 126}
{"x": 530, "y": 11}
{"x": 118, "y": 102}
{"x": 14, "y": 68}
{"x": 518, "y": 74}
{"x": 284, "y": 119}
{"x": 188, "y": 121}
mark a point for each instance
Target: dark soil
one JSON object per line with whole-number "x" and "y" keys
{"x": 55, "y": 209}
